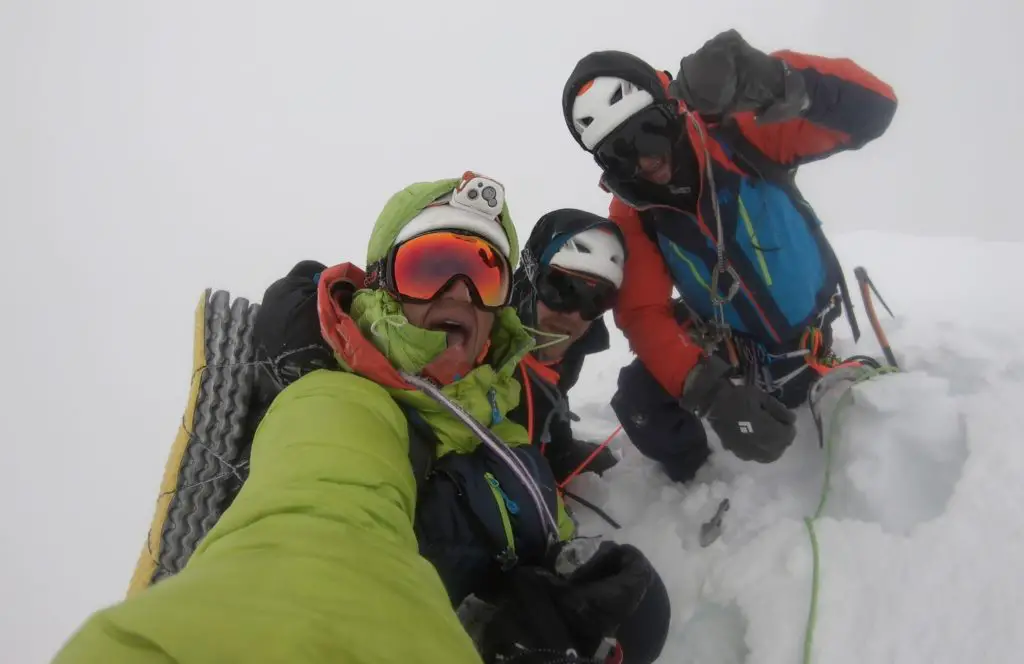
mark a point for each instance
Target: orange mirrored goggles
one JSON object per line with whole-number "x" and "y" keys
{"x": 422, "y": 268}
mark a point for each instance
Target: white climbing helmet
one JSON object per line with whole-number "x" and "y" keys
{"x": 475, "y": 205}
{"x": 603, "y": 104}
{"x": 595, "y": 251}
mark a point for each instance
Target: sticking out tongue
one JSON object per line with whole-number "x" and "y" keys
{"x": 457, "y": 337}
{"x": 453, "y": 362}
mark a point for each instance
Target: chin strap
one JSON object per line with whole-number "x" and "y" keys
{"x": 555, "y": 338}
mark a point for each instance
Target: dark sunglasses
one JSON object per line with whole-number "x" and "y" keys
{"x": 565, "y": 291}
{"x": 653, "y": 132}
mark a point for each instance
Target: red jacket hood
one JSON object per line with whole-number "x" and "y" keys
{"x": 341, "y": 331}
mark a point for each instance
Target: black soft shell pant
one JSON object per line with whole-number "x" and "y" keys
{"x": 675, "y": 437}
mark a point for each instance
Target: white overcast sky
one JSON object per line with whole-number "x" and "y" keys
{"x": 151, "y": 149}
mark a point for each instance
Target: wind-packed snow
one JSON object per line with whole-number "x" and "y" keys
{"x": 921, "y": 540}
{"x": 150, "y": 150}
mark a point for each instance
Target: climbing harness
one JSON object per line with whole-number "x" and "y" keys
{"x": 721, "y": 329}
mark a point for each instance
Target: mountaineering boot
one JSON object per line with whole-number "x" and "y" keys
{"x": 208, "y": 461}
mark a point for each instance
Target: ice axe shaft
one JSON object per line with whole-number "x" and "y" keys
{"x": 867, "y": 287}
{"x": 864, "y": 275}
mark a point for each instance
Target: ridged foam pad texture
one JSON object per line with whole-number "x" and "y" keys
{"x": 214, "y": 464}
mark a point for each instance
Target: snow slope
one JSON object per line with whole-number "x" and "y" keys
{"x": 148, "y": 150}
{"x": 921, "y": 540}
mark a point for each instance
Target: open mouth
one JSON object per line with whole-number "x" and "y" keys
{"x": 656, "y": 169}
{"x": 458, "y": 320}
{"x": 458, "y": 334}
{"x": 658, "y": 172}
{"x": 458, "y": 323}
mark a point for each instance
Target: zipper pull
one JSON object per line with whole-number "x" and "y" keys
{"x": 492, "y": 397}
{"x": 451, "y": 478}
{"x": 507, "y": 559}
{"x": 510, "y": 504}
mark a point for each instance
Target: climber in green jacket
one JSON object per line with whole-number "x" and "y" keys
{"x": 317, "y": 558}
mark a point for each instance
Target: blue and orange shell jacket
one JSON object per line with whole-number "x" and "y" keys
{"x": 787, "y": 272}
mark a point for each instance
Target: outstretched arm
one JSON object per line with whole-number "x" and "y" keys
{"x": 315, "y": 560}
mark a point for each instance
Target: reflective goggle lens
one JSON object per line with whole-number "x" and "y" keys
{"x": 425, "y": 265}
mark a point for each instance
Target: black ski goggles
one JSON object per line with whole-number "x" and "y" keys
{"x": 565, "y": 291}
{"x": 653, "y": 132}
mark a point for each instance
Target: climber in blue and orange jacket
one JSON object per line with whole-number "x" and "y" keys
{"x": 701, "y": 167}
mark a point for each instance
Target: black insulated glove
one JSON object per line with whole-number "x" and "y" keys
{"x": 752, "y": 424}
{"x": 602, "y": 584}
{"x": 526, "y": 627}
{"x": 727, "y": 75}
{"x": 568, "y": 610}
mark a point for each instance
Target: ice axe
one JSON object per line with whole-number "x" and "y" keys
{"x": 867, "y": 287}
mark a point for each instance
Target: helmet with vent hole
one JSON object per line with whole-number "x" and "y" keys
{"x": 605, "y": 89}
{"x": 603, "y": 104}
{"x": 597, "y": 251}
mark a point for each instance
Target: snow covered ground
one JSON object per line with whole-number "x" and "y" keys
{"x": 922, "y": 538}
{"x": 920, "y": 541}
{"x": 149, "y": 150}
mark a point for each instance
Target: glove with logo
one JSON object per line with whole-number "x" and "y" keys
{"x": 728, "y": 75}
{"x": 752, "y": 424}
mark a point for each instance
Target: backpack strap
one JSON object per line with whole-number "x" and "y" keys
{"x": 753, "y": 160}
{"x": 423, "y": 443}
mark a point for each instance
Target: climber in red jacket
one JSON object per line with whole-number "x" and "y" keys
{"x": 702, "y": 167}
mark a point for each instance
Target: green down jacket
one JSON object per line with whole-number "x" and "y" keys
{"x": 315, "y": 561}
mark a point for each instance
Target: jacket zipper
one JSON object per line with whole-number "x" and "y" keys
{"x": 753, "y": 240}
{"x": 507, "y": 557}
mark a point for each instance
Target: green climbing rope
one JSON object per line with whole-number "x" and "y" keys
{"x": 812, "y": 615}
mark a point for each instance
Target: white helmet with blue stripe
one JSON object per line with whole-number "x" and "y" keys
{"x": 596, "y": 251}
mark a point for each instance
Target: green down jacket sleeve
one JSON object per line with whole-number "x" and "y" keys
{"x": 315, "y": 561}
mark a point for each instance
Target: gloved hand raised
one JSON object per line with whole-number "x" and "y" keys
{"x": 752, "y": 424}
{"x": 727, "y": 75}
